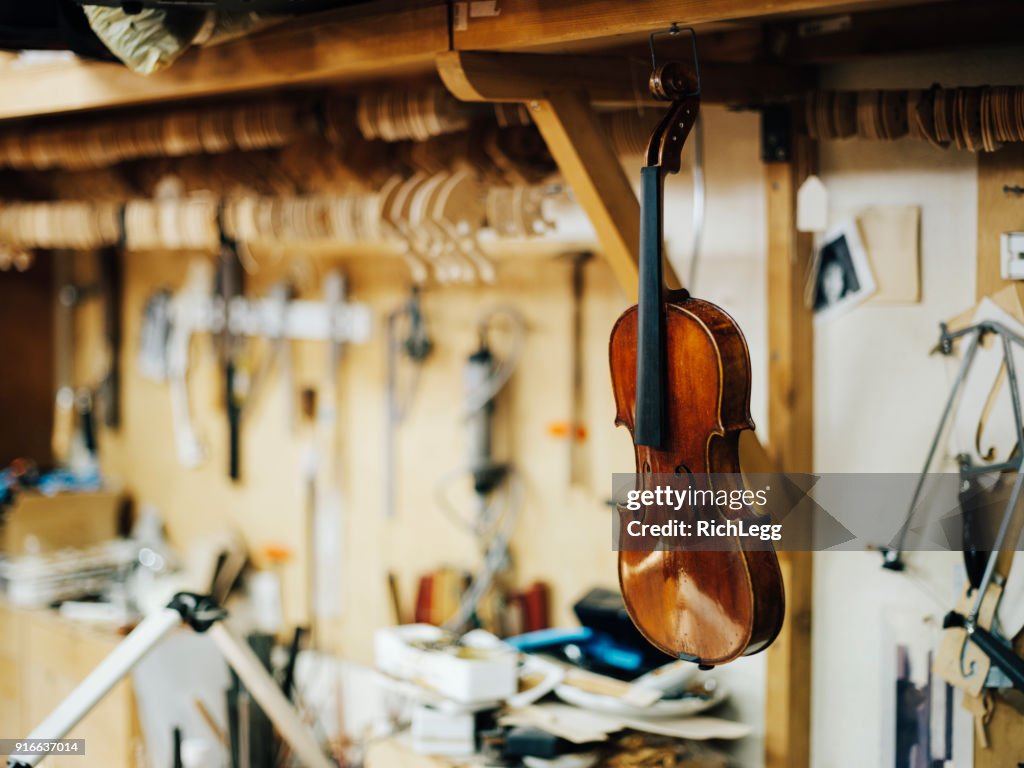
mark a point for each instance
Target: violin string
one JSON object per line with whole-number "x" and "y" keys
{"x": 699, "y": 203}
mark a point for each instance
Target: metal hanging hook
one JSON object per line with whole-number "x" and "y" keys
{"x": 673, "y": 31}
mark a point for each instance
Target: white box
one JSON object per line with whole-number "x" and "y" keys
{"x": 443, "y": 733}
{"x": 466, "y": 674}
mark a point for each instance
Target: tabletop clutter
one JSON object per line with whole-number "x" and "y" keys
{"x": 579, "y": 696}
{"x": 593, "y": 694}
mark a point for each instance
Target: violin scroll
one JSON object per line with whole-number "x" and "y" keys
{"x": 671, "y": 82}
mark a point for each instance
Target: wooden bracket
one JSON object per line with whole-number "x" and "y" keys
{"x": 589, "y": 164}
{"x": 525, "y": 77}
{"x": 609, "y": 81}
{"x": 551, "y": 87}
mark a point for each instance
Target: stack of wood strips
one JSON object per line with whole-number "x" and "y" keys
{"x": 425, "y": 209}
{"x": 400, "y": 115}
{"x": 60, "y": 225}
{"x": 95, "y": 143}
{"x": 189, "y": 223}
{"x": 972, "y": 118}
{"x": 517, "y": 211}
{"x": 882, "y": 115}
{"x": 980, "y": 118}
{"x": 867, "y": 114}
{"x": 392, "y": 115}
{"x": 345, "y": 219}
{"x": 384, "y": 115}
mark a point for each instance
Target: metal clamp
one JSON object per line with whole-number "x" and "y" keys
{"x": 661, "y": 82}
{"x": 198, "y": 611}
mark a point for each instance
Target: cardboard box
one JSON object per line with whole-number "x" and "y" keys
{"x": 37, "y": 523}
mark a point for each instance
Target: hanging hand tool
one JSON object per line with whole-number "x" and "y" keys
{"x": 577, "y": 431}
{"x": 191, "y": 310}
{"x": 230, "y": 287}
{"x": 64, "y": 400}
{"x": 325, "y": 515}
{"x": 111, "y": 286}
{"x": 109, "y": 289}
{"x": 497, "y": 487}
{"x": 407, "y": 339}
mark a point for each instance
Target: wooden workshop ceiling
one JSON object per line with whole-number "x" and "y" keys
{"x": 398, "y": 38}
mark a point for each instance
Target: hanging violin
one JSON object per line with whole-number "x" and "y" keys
{"x": 681, "y": 377}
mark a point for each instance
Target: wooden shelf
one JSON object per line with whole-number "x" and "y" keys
{"x": 376, "y": 41}
{"x": 530, "y": 25}
{"x": 340, "y": 46}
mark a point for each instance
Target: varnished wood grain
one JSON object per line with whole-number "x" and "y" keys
{"x": 712, "y": 606}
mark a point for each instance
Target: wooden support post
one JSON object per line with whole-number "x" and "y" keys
{"x": 589, "y": 164}
{"x": 790, "y": 441}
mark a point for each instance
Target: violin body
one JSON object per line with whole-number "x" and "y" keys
{"x": 709, "y": 607}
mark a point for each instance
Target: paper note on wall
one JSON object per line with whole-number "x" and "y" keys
{"x": 812, "y": 206}
{"x": 891, "y": 236}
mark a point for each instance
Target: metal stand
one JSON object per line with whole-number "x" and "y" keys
{"x": 893, "y": 556}
{"x": 202, "y": 614}
{"x": 1000, "y": 654}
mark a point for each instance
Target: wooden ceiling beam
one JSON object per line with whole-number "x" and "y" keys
{"x": 534, "y": 23}
{"x": 608, "y": 81}
{"x": 944, "y": 27}
{"x": 349, "y": 44}
{"x": 392, "y": 38}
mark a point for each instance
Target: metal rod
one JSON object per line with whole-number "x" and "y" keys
{"x": 988, "y": 469}
{"x": 985, "y": 326}
{"x": 699, "y": 203}
{"x": 893, "y": 555}
{"x": 1011, "y": 505}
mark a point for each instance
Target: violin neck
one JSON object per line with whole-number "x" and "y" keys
{"x": 649, "y": 419}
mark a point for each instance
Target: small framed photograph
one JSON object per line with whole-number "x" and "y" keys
{"x": 841, "y": 278}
